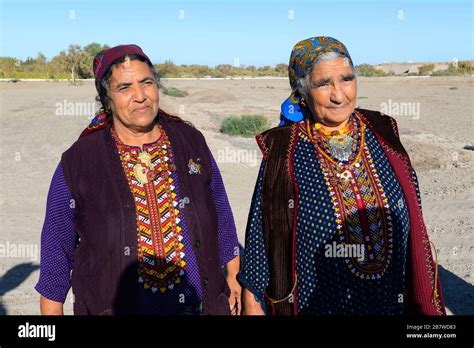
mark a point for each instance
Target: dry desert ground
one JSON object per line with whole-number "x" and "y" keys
{"x": 434, "y": 114}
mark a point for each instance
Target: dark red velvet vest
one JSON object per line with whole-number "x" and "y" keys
{"x": 104, "y": 277}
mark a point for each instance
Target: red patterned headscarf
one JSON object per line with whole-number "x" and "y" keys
{"x": 104, "y": 60}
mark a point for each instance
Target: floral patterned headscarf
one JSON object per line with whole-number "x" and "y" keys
{"x": 303, "y": 55}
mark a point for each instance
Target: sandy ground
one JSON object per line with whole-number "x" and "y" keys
{"x": 435, "y": 117}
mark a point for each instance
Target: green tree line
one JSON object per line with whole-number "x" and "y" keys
{"x": 76, "y": 62}
{"x": 73, "y": 63}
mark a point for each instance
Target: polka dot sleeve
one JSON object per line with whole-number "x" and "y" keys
{"x": 254, "y": 274}
{"x": 227, "y": 234}
{"x": 58, "y": 240}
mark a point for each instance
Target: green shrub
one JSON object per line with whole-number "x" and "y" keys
{"x": 463, "y": 67}
{"x": 368, "y": 70}
{"x": 245, "y": 125}
{"x": 466, "y": 67}
{"x": 173, "y": 92}
{"x": 426, "y": 69}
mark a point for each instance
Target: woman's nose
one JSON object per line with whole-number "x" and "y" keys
{"x": 139, "y": 93}
{"x": 337, "y": 96}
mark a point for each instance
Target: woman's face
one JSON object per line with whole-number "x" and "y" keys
{"x": 134, "y": 95}
{"x": 332, "y": 92}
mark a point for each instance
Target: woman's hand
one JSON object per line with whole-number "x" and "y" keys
{"x": 234, "y": 286}
{"x": 250, "y": 305}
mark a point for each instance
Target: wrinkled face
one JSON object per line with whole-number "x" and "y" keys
{"x": 133, "y": 95}
{"x": 332, "y": 92}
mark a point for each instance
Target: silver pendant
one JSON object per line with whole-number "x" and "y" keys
{"x": 341, "y": 147}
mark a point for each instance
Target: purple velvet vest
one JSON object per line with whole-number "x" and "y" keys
{"x": 104, "y": 277}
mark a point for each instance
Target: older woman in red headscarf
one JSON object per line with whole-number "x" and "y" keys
{"x": 137, "y": 209}
{"x": 335, "y": 225}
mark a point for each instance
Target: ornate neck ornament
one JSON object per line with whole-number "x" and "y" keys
{"x": 320, "y": 129}
{"x": 144, "y": 169}
{"x": 339, "y": 145}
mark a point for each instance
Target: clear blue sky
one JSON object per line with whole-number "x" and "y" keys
{"x": 255, "y": 32}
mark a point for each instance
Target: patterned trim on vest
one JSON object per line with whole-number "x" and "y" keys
{"x": 290, "y": 171}
{"x": 261, "y": 143}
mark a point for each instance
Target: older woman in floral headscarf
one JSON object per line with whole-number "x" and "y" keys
{"x": 335, "y": 225}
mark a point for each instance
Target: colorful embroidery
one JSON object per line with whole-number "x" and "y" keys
{"x": 363, "y": 214}
{"x": 160, "y": 249}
